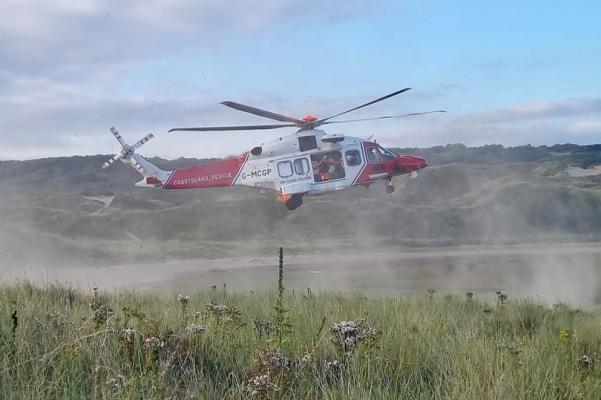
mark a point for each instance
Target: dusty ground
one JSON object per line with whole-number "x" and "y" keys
{"x": 568, "y": 272}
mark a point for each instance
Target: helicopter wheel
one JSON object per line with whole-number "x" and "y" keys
{"x": 389, "y": 187}
{"x": 294, "y": 202}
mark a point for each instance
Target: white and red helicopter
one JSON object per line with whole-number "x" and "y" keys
{"x": 306, "y": 163}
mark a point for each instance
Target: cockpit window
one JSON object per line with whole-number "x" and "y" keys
{"x": 386, "y": 153}
{"x": 373, "y": 156}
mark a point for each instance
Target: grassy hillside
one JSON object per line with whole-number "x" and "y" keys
{"x": 67, "y": 209}
{"x": 68, "y": 344}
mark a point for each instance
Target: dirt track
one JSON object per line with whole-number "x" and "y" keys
{"x": 569, "y": 273}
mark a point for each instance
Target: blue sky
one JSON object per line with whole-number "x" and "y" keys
{"x": 508, "y": 72}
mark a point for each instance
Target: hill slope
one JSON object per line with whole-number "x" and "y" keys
{"x": 68, "y": 209}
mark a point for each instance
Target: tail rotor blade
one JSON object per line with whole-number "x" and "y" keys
{"x": 118, "y": 136}
{"x": 111, "y": 161}
{"x": 138, "y": 167}
{"x": 142, "y": 141}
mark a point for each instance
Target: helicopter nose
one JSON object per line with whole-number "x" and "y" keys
{"x": 408, "y": 164}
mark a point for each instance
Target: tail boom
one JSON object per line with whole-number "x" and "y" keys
{"x": 220, "y": 173}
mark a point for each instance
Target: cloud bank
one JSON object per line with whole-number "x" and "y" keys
{"x": 72, "y": 68}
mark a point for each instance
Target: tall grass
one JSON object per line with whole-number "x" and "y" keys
{"x": 70, "y": 344}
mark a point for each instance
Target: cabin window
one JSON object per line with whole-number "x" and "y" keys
{"x": 373, "y": 156}
{"x": 306, "y": 143}
{"x": 353, "y": 158}
{"x": 285, "y": 169}
{"x": 301, "y": 166}
{"x": 327, "y": 166}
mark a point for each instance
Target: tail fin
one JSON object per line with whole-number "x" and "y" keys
{"x": 153, "y": 175}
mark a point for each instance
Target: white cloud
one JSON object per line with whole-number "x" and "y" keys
{"x": 63, "y": 63}
{"x": 586, "y": 128}
{"x": 544, "y": 109}
{"x": 572, "y": 119}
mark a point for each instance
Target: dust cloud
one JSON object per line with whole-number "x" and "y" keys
{"x": 455, "y": 228}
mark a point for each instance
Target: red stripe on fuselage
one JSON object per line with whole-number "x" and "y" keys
{"x": 215, "y": 174}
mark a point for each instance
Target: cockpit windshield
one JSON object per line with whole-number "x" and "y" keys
{"x": 387, "y": 153}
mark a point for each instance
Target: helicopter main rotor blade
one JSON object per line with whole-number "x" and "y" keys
{"x": 232, "y": 128}
{"x": 262, "y": 113}
{"x": 385, "y": 117}
{"x": 321, "y": 121}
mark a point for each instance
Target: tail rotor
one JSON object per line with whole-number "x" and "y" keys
{"x": 126, "y": 150}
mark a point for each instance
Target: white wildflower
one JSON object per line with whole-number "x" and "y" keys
{"x": 261, "y": 384}
{"x": 153, "y": 342}
{"x": 128, "y": 334}
{"x": 196, "y": 329}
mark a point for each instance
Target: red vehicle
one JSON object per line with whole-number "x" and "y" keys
{"x": 306, "y": 163}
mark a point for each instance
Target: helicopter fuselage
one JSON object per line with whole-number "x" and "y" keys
{"x": 306, "y": 163}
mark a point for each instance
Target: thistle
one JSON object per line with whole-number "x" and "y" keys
{"x": 183, "y": 300}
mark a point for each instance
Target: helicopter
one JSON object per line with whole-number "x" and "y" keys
{"x": 306, "y": 163}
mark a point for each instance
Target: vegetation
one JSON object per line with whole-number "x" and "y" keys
{"x": 57, "y": 342}
{"x": 565, "y": 154}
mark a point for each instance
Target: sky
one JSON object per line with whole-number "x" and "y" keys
{"x": 510, "y": 72}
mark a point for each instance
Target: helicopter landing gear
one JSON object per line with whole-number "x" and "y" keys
{"x": 294, "y": 202}
{"x": 389, "y": 187}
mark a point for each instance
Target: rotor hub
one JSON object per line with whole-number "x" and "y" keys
{"x": 310, "y": 118}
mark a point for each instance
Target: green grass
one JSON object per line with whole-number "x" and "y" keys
{"x": 445, "y": 347}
